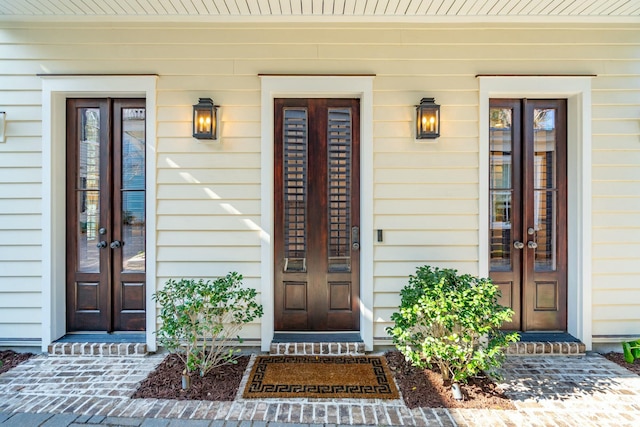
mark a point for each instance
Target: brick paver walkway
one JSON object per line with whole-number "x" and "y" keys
{"x": 547, "y": 391}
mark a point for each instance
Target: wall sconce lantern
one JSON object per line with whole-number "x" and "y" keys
{"x": 3, "y": 119}
{"x": 427, "y": 119}
{"x": 205, "y": 119}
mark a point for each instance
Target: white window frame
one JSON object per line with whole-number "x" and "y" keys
{"x": 318, "y": 87}
{"x": 55, "y": 91}
{"x": 577, "y": 91}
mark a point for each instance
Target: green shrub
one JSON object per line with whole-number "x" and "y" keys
{"x": 201, "y": 318}
{"x": 451, "y": 321}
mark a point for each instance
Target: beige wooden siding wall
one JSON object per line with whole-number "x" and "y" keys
{"x": 426, "y": 195}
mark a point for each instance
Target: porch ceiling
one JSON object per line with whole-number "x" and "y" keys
{"x": 323, "y": 10}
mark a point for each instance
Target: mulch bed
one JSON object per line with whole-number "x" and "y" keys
{"x": 426, "y": 388}
{"x": 11, "y": 359}
{"x": 619, "y": 359}
{"x": 220, "y": 384}
{"x": 419, "y": 388}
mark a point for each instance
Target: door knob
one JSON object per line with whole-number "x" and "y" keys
{"x": 518, "y": 245}
{"x": 102, "y": 244}
{"x": 531, "y": 244}
{"x": 116, "y": 244}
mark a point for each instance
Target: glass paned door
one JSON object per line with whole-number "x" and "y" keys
{"x": 106, "y": 215}
{"x": 316, "y": 214}
{"x": 527, "y": 193}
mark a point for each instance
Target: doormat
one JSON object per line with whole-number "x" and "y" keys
{"x": 356, "y": 377}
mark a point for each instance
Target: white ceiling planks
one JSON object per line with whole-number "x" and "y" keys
{"x": 322, "y": 9}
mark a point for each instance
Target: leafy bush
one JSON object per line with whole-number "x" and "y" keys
{"x": 201, "y": 318}
{"x": 451, "y": 321}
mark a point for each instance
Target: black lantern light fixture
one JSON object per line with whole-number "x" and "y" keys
{"x": 427, "y": 119}
{"x": 205, "y": 119}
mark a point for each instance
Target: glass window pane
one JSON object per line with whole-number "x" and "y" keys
{"x": 133, "y": 148}
{"x": 89, "y": 153}
{"x": 500, "y": 230}
{"x": 501, "y": 188}
{"x": 88, "y": 211}
{"x": 545, "y": 148}
{"x": 133, "y": 231}
{"x": 545, "y": 227}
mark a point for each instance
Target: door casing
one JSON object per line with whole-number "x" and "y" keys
{"x": 325, "y": 86}
{"x": 577, "y": 90}
{"x": 55, "y": 91}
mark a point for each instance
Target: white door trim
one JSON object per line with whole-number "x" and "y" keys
{"x": 577, "y": 91}
{"x": 319, "y": 87}
{"x": 55, "y": 91}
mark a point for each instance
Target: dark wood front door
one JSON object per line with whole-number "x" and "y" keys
{"x": 317, "y": 215}
{"x": 528, "y": 210}
{"x": 105, "y": 215}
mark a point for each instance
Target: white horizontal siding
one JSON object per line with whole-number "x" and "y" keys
{"x": 425, "y": 194}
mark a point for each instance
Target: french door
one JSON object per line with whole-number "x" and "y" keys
{"x": 317, "y": 201}
{"x": 528, "y": 210}
{"x": 105, "y": 229}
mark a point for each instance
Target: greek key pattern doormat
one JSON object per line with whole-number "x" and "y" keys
{"x": 363, "y": 377}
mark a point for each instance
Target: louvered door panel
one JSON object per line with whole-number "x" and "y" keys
{"x": 316, "y": 214}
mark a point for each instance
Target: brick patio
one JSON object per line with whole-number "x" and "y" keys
{"x": 547, "y": 391}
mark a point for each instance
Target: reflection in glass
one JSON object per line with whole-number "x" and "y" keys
{"x": 500, "y": 188}
{"x": 133, "y": 231}
{"x": 87, "y": 186}
{"x": 295, "y": 188}
{"x": 545, "y": 189}
{"x": 87, "y": 233}
{"x": 133, "y": 189}
{"x": 339, "y": 177}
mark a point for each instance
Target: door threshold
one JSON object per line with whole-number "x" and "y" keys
{"x": 545, "y": 344}
{"x": 547, "y": 337}
{"x": 316, "y": 337}
{"x": 103, "y": 337}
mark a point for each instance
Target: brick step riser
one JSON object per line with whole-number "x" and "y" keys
{"x": 546, "y": 348}
{"x": 318, "y": 348}
{"x": 98, "y": 349}
{"x": 520, "y": 348}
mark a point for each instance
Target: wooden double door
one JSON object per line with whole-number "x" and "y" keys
{"x": 317, "y": 214}
{"x": 528, "y": 210}
{"x": 106, "y": 226}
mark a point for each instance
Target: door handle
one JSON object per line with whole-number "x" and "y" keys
{"x": 518, "y": 245}
{"x": 355, "y": 238}
{"x": 116, "y": 244}
{"x": 102, "y": 244}
{"x": 531, "y": 244}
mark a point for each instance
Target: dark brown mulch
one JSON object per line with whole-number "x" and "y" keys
{"x": 426, "y": 388}
{"x": 619, "y": 359}
{"x": 220, "y": 384}
{"x": 10, "y": 359}
{"x": 419, "y": 388}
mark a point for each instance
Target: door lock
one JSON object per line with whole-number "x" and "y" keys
{"x": 355, "y": 238}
